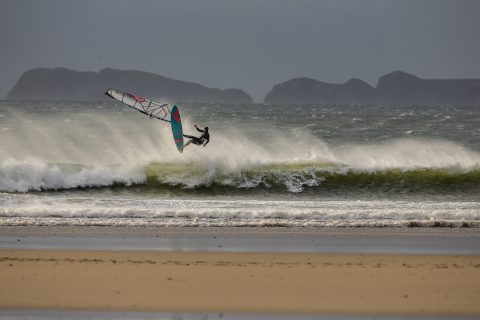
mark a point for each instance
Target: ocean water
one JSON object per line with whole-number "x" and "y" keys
{"x": 72, "y": 163}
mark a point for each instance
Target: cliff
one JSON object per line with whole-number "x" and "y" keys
{"x": 65, "y": 84}
{"x": 394, "y": 88}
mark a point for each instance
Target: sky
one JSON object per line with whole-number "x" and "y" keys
{"x": 246, "y": 44}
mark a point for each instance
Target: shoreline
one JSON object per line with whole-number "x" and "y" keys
{"x": 463, "y": 241}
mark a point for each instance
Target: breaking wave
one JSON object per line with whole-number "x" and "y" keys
{"x": 312, "y": 177}
{"x": 28, "y": 175}
{"x": 73, "y": 150}
{"x": 298, "y": 177}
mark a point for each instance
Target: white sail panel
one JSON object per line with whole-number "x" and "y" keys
{"x": 145, "y": 106}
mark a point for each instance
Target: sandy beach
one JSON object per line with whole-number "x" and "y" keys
{"x": 292, "y": 283}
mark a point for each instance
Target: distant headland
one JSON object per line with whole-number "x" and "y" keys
{"x": 397, "y": 88}
{"x": 394, "y": 88}
{"x": 66, "y": 84}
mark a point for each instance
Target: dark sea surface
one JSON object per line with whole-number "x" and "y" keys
{"x": 72, "y": 163}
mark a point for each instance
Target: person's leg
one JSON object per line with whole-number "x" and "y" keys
{"x": 196, "y": 141}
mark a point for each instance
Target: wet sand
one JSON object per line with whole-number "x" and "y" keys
{"x": 455, "y": 241}
{"x": 326, "y": 271}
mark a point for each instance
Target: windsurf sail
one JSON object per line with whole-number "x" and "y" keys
{"x": 145, "y": 106}
{"x": 153, "y": 110}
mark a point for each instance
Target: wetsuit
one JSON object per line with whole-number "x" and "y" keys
{"x": 204, "y": 138}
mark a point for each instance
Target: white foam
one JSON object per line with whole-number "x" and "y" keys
{"x": 32, "y": 174}
{"x": 28, "y": 209}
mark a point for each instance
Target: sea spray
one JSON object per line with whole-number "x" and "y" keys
{"x": 408, "y": 154}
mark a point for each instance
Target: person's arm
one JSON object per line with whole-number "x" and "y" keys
{"x": 208, "y": 140}
{"x": 198, "y": 128}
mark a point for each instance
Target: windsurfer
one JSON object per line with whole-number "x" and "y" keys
{"x": 203, "y": 139}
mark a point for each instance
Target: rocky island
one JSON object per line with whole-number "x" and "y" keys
{"x": 310, "y": 91}
{"x": 394, "y": 88}
{"x": 66, "y": 84}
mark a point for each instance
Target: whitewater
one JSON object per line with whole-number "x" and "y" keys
{"x": 73, "y": 163}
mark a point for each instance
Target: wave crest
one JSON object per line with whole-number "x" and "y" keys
{"x": 313, "y": 176}
{"x": 399, "y": 165}
{"x": 31, "y": 174}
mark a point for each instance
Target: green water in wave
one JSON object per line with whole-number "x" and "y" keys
{"x": 313, "y": 178}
